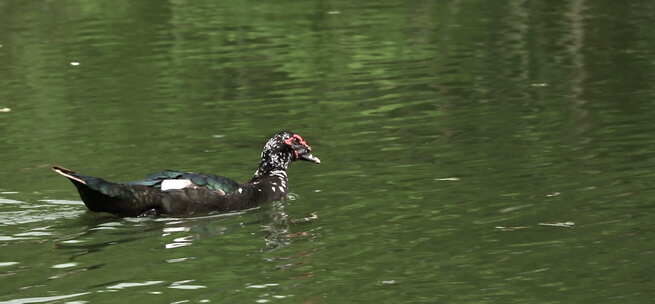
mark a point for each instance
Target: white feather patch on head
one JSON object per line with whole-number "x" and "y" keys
{"x": 175, "y": 184}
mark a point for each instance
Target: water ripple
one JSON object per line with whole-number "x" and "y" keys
{"x": 134, "y": 284}
{"x": 42, "y": 299}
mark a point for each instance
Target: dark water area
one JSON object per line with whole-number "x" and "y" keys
{"x": 473, "y": 151}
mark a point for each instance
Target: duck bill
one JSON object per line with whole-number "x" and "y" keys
{"x": 310, "y": 157}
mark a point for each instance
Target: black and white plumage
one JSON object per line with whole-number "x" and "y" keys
{"x": 184, "y": 193}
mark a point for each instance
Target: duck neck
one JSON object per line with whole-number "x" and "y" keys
{"x": 272, "y": 165}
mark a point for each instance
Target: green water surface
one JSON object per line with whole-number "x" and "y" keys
{"x": 472, "y": 151}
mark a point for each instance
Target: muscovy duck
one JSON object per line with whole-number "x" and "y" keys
{"x": 184, "y": 193}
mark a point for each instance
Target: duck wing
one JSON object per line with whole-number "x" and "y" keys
{"x": 174, "y": 180}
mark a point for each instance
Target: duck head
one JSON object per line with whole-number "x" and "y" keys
{"x": 300, "y": 148}
{"x": 283, "y": 148}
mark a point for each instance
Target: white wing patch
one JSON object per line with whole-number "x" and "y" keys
{"x": 175, "y": 184}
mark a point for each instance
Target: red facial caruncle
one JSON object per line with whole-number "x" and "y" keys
{"x": 300, "y": 141}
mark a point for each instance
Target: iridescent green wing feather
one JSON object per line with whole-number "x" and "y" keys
{"x": 209, "y": 181}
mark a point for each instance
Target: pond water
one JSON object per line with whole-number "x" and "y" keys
{"x": 473, "y": 151}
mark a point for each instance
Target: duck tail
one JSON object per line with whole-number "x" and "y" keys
{"x": 98, "y": 194}
{"x": 70, "y": 174}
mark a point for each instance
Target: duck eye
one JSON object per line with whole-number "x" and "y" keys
{"x": 291, "y": 141}
{"x": 296, "y": 140}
